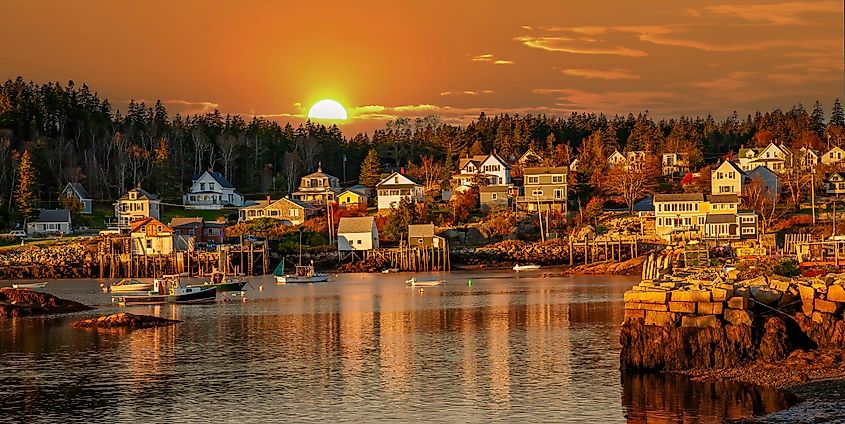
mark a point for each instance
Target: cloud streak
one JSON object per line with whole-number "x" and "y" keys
{"x": 604, "y": 74}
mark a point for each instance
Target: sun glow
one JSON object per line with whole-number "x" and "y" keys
{"x": 327, "y": 109}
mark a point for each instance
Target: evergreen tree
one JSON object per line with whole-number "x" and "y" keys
{"x": 837, "y": 116}
{"x": 550, "y": 143}
{"x": 396, "y": 225}
{"x": 817, "y": 119}
{"x": 24, "y": 196}
{"x": 370, "y": 170}
{"x": 477, "y": 149}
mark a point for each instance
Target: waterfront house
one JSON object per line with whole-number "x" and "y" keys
{"x": 422, "y": 235}
{"x": 490, "y": 167}
{"x": 835, "y": 184}
{"x": 727, "y": 178}
{"x": 317, "y": 188}
{"x": 768, "y": 181}
{"x": 214, "y": 232}
{"x": 359, "y": 233}
{"x": 773, "y": 156}
{"x": 187, "y": 227}
{"x": 833, "y": 156}
{"x": 731, "y": 227}
{"x": 679, "y": 213}
{"x": 50, "y": 221}
{"x": 289, "y": 211}
{"x": 494, "y": 197}
{"x": 150, "y": 237}
{"x": 721, "y": 204}
{"x": 78, "y": 191}
{"x": 210, "y": 190}
{"x": 136, "y": 204}
{"x": 674, "y": 163}
{"x": 808, "y": 159}
{"x": 545, "y": 188}
{"x": 396, "y": 187}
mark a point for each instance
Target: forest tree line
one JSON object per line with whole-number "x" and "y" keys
{"x": 73, "y": 135}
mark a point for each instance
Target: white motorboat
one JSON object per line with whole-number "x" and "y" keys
{"x": 302, "y": 273}
{"x": 389, "y": 270}
{"x": 169, "y": 289}
{"x": 413, "y": 282}
{"x": 129, "y": 285}
{"x": 30, "y": 285}
{"x": 532, "y": 267}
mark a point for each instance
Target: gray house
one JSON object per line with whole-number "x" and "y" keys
{"x": 493, "y": 197}
{"x": 78, "y": 191}
{"x": 50, "y": 221}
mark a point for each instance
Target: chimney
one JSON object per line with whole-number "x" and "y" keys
{"x": 268, "y": 199}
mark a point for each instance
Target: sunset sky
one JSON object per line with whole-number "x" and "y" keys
{"x": 453, "y": 59}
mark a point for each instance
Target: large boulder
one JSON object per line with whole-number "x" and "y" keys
{"x": 124, "y": 320}
{"x": 27, "y": 303}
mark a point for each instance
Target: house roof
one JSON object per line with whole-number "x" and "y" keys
{"x": 297, "y": 202}
{"x": 723, "y": 198}
{"x": 320, "y": 174}
{"x": 138, "y": 223}
{"x": 762, "y": 169}
{"x": 412, "y": 179}
{"x": 53, "y": 215}
{"x": 214, "y": 224}
{"x": 721, "y": 218}
{"x": 357, "y": 193}
{"x": 527, "y": 153}
{"x": 362, "y": 224}
{"x": 142, "y": 194}
{"x": 678, "y": 197}
{"x": 545, "y": 170}
{"x": 462, "y": 162}
{"x": 360, "y": 189}
{"x": 218, "y": 177}
{"x": 421, "y": 230}
{"x": 644, "y": 205}
{"x": 80, "y": 190}
{"x": 494, "y": 155}
{"x": 493, "y": 189}
{"x": 732, "y": 165}
{"x": 180, "y": 222}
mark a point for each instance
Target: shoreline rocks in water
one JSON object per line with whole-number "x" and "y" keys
{"x": 58, "y": 260}
{"x": 124, "y": 320}
{"x": 27, "y": 303}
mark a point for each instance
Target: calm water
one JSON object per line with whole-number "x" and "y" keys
{"x": 360, "y": 349}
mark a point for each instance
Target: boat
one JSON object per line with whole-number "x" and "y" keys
{"x": 532, "y": 267}
{"x": 40, "y": 285}
{"x": 223, "y": 283}
{"x": 169, "y": 289}
{"x": 389, "y": 270}
{"x": 302, "y": 273}
{"x": 129, "y": 285}
{"x": 413, "y": 282}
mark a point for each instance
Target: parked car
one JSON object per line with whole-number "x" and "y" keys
{"x": 17, "y": 233}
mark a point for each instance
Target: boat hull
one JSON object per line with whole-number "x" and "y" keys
{"x": 293, "y": 279}
{"x": 225, "y": 287}
{"x": 30, "y": 285}
{"x": 518, "y": 268}
{"x": 202, "y": 296}
{"x": 131, "y": 288}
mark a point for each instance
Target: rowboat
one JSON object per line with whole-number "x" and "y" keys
{"x": 413, "y": 282}
{"x": 169, "y": 289}
{"x": 223, "y": 283}
{"x": 129, "y": 285}
{"x": 30, "y": 285}
{"x": 518, "y": 268}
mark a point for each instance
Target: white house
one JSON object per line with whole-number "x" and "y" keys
{"x": 289, "y": 211}
{"x": 151, "y": 237}
{"x": 395, "y": 187}
{"x": 673, "y": 163}
{"x": 773, "y": 156}
{"x": 211, "y": 191}
{"x": 833, "y": 156}
{"x": 616, "y": 158}
{"x": 78, "y": 191}
{"x": 50, "y": 221}
{"x": 492, "y": 166}
{"x": 358, "y": 233}
{"x": 136, "y": 204}
{"x": 728, "y": 178}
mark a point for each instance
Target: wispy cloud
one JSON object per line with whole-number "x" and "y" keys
{"x": 788, "y": 13}
{"x": 579, "y": 45}
{"x": 488, "y": 58}
{"x": 606, "y": 74}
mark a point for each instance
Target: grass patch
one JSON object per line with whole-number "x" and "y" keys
{"x": 171, "y": 212}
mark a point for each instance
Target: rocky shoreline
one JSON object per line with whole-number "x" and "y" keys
{"x": 124, "y": 320}
{"x": 16, "y": 303}
{"x": 59, "y": 260}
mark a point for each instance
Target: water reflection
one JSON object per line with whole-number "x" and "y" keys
{"x": 364, "y": 348}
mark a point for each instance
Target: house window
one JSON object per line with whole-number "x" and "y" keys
{"x": 557, "y": 178}
{"x": 749, "y": 230}
{"x": 149, "y": 244}
{"x": 211, "y": 186}
{"x": 159, "y": 228}
{"x": 494, "y": 196}
{"x": 202, "y": 186}
{"x": 357, "y": 241}
{"x": 143, "y": 228}
{"x": 294, "y": 212}
{"x": 537, "y": 193}
{"x": 533, "y": 180}
{"x": 190, "y": 232}
{"x": 395, "y": 180}
{"x": 558, "y": 193}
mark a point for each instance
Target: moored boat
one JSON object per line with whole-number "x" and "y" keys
{"x": 223, "y": 283}
{"x": 40, "y": 285}
{"x": 530, "y": 267}
{"x": 129, "y": 285}
{"x": 302, "y": 274}
{"x": 413, "y": 282}
{"x": 169, "y": 289}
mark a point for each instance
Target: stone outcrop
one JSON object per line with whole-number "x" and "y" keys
{"x": 124, "y": 320}
{"x": 679, "y": 324}
{"x": 27, "y": 303}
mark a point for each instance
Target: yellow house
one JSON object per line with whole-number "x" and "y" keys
{"x": 351, "y": 198}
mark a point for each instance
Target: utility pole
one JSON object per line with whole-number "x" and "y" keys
{"x": 344, "y": 168}
{"x": 813, "y": 196}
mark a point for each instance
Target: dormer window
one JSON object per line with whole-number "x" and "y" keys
{"x": 395, "y": 180}
{"x": 133, "y": 195}
{"x": 202, "y": 186}
{"x": 211, "y": 186}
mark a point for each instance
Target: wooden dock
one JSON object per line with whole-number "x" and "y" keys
{"x": 407, "y": 258}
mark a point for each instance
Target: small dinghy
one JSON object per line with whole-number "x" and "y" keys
{"x": 389, "y": 270}
{"x": 129, "y": 285}
{"x": 40, "y": 285}
{"x": 518, "y": 268}
{"x": 413, "y": 282}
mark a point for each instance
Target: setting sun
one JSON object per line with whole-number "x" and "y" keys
{"x": 327, "y": 109}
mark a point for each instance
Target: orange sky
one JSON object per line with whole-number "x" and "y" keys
{"x": 453, "y": 59}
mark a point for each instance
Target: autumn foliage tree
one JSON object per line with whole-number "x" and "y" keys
{"x": 498, "y": 224}
{"x": 370, "y": 170}
{"x": 630, "y": 183}
{"x": 463, "y": 203}
{"x": 24, "y": 194}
